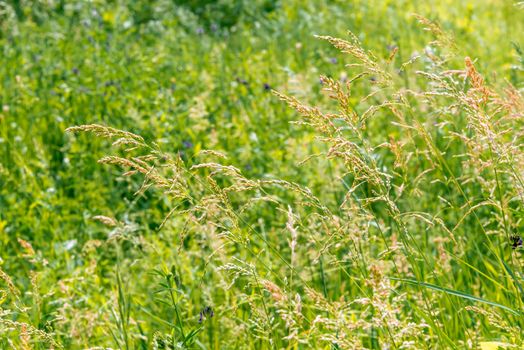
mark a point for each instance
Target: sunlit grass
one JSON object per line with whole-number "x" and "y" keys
{"x": 189, "y": 206}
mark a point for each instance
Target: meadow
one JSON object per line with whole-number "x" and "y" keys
{"x": 261, "y": 174}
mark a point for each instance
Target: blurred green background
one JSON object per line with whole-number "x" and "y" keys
{"x": 189, "y": 75}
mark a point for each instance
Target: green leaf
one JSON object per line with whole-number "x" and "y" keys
{"x": 458, "y": 294}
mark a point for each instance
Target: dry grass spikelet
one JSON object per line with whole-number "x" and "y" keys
{"x": 105, "y": 131}
{"x": 495, "y": 320}
{"x": 442, "y": 38}
{"x": 336, "y": 92}
{"x": 10, "y": 285}
{"x": 304, "y": 110}
{"x": 27, "y": 331}
{"x": 209, "y": 152}
{"x": 106, "y": 220}
{"x": 25, "y": 339}
{"x": 275, "y": 291}
{"x": 29, "y": 251}
{"x": 477, "y": 81}
{"x": 367, "y": 60}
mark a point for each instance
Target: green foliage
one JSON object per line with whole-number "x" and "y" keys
{"x": 392, "y": 230}
{"x": 226, "y": 13}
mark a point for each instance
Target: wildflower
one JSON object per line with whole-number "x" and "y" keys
{"x": 206, "y": 312}
{"x": 187, "y": 144}
{"x": 200, "y": 31}
{"x": 267, "y": 87}
{"x": 516, "y": 242}
{"x": 333, "y": 60}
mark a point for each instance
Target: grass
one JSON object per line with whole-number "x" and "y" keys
{"x": 239, "y": 175}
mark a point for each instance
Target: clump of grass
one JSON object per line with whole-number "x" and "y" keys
{"x": 380, "y": 241}
{"x": 387, "y": 216}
